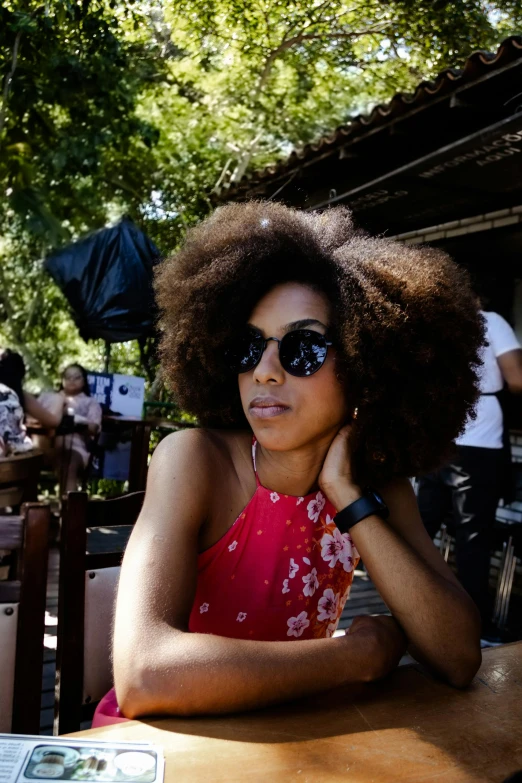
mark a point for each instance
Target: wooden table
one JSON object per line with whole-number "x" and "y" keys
{"x": 408, "y": 727}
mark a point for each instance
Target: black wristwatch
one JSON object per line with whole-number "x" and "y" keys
{"x": 370, "y": 503}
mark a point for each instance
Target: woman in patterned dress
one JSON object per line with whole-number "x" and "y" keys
{"x": 321, "y": 361}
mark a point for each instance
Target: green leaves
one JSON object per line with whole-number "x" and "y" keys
{"x": 153, "y": 109}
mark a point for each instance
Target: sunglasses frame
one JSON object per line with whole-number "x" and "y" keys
{"x": 277, "y": 340}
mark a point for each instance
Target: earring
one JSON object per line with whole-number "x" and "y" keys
{"x": 355, "y": 413}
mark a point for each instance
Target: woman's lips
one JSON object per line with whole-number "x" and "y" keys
{"x": 267, "y": 407}
{"x": 267, "y": 412}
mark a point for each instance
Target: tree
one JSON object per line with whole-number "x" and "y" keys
{"x": 257, "y": 77}
{"x": 73, "y": 150}
{"x": 155, "y": 108}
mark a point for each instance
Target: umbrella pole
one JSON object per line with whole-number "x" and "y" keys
{"x": 107, "y": 355}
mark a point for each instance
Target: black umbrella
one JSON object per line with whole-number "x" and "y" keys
{"x": 107, "y": 278}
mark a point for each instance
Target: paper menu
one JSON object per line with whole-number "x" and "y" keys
{"x": 27, "y": 758}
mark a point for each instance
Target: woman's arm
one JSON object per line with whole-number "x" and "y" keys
{"x": 510, "y": 364}
{"x": 159, "y": 666}
{"x": 49, "y": 415}
{"x": 94, "y": 417}
{"x": 439, "y": 618}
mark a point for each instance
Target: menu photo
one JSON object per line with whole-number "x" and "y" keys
{"x": 24, "y": 758}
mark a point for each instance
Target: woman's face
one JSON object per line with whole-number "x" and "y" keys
{"x": 284, "y": 411}
{"x": 72, "y": 381}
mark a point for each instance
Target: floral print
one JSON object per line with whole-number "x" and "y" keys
{"x": 315, "y": 507}
{"x": 311, "y": 582}
{"x": 296, "y": 625}
{"x": 294, "y": 568}
{"x": 332, "y": 547}
{"x": 338, "y": 547}
{"x": 328, "y": 605}
{"x": 283, "y": 571}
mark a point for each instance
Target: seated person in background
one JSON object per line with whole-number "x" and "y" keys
{"x": 14, "y": 402}
{"x": 316, "y": 359}
{"x": 72, "y": 450}
{"x": 13, "y": 435}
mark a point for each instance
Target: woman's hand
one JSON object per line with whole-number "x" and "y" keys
{"x": 336, "y": 478}
{"x": 387, "y": 641}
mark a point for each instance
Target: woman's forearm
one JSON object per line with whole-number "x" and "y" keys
{"x": 48, "y": 418}
{"x": 439, "y": 619}
{"x": 191, "y": 674}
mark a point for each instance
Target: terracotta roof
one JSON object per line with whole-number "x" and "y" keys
{"x": 476, "y": 65}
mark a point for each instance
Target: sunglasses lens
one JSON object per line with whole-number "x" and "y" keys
{"x": 245, "y": 351}
{"x": 303, "y": 352}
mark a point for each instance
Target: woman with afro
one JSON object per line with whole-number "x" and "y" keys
{"x": 325, "y": 366}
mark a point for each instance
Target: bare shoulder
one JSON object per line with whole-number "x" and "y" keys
{"x": 199, "y": 460}
{"x": 206, "y": 448}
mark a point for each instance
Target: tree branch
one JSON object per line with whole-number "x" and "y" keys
{"x": 287, "y": 43}
{"x": 8, "y": 80}
{"x": 222, "y": 176}
{"x": 297, "y": 39}
{"x": 123, "y": 187}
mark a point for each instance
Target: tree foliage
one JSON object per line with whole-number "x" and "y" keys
{"x": 151, "y": 108}
{"x": 73, "y": 149}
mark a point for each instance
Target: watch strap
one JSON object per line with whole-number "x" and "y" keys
{"x": 365, "y": 506}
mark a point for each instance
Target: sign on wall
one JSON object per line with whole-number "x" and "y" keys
{"x": 123, "y": 394}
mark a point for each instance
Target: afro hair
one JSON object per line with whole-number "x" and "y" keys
{"x": 405, "y": 324}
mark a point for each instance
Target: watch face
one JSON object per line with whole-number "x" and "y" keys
{"x": 375, "y": 494}
{"x": 378, "y": 498}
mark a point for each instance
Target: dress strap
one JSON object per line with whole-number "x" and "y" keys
{"x": 254, "y": 449}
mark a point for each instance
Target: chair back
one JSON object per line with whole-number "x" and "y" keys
{"x": 19, "y": 478}
{"x": 22, "y": 618}
{"x": 86, "y": 600}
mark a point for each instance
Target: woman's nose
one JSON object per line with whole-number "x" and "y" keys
{"x": 269, "y": 368}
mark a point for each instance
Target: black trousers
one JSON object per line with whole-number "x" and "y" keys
{"x": 465, "y": 494}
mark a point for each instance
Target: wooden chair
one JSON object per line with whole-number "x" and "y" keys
{"x": 22, "y": 618}
{"x": 19, "y": 478}
{"x": 86, "y": 599}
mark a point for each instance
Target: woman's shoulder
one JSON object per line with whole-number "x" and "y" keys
{"x": 210, "y": 453}
{"x": 208, "y": 444}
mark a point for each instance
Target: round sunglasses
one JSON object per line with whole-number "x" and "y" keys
{"x": 301, "y": 352}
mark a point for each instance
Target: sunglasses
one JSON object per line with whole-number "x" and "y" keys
{"x": 301, "y": 352}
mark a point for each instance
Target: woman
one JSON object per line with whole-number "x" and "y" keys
{"x": 72, "y": 450}
{"x": 321, "y": 361}
{"x": 15, "y": 403}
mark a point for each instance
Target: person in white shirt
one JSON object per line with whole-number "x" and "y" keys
{"x": 469, "y": 488}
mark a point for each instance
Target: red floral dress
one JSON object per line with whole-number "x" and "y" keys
{"x": 283, "y": 571}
